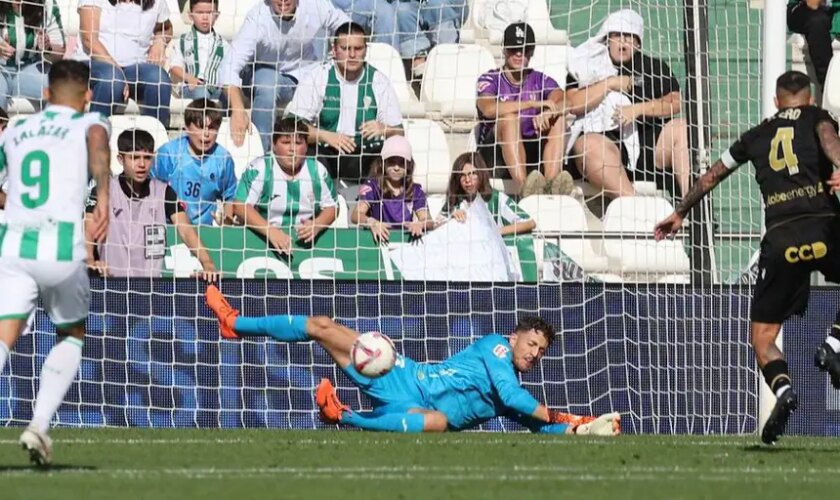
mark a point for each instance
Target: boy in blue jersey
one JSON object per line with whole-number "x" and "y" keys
{"x": 199, "y": 170}
{"x": 469, "y": 388}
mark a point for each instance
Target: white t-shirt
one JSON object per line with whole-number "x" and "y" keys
{"x": 308, "y": 100}
{"x": 287, "y": 45}
{"x": 125, "y": 29}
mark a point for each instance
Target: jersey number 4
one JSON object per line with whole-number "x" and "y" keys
{"x": 781, "y": 152}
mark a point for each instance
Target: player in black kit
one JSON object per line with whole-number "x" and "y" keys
{"x": 794, "y": 153}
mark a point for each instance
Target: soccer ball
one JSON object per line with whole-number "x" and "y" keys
{"x": 373, "y": 354}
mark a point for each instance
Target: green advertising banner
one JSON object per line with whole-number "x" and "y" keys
{"x": 343, "y": 254}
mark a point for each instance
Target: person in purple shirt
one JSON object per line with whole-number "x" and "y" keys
{"x": 522, "y": 119}
{"x": 390, "y": 198}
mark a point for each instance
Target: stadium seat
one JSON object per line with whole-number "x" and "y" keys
{"x": 431, "y": 155}
{"x": 565, "y": 218}
{"x": 342, "y": 221}
{"x": 386, "y": 59}
{"x": 831, "y": 93}
{"x": 69, "y": 11}
{"x": 551, "y": 60}
{"x": 449, "y": 80}
{"x": 20, "y": 106}
{"x": 633, "y": 218}
{"x": 231, "y": 16}
{"x": 484, "y": 24}
{"x": 245, "y": 154}
{"x": 179, "y": 23}
{"x": 435, "y": 202}
{"x": 121, "y": 123}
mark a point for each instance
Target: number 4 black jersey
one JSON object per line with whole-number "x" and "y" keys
{"x": 790, "y": 166}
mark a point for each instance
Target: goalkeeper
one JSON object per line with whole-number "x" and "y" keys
{"x": 473, "y": 386}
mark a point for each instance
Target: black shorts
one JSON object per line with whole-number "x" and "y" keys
{"x": 789, "y": 253}
{"x": 492, "y": 154}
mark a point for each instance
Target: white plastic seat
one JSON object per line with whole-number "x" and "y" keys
{"x": 482, "y": 24}
{"x": 551, "y": 60}
{"x": 831, "y": 90}
{"x": 231, "y": 16}
{"x": 386, "y": 59}
{"x": 451, "y": 74}
{"x": 637, "y": 251}
{"x": 342, "y": 221}
{"x": 121, "y": 123}
{"x": 432, "y": 164}
{"x": 20, "y": 106}
{"x": 245, "y": 154}
{"x": 179, "y": 24}
{"x": 69, "y": 11}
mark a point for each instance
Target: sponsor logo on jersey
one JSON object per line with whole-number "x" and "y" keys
{"x": 483, "y": 85}
{"x": 365, "y": 189}
{"x": 500, "y": 351}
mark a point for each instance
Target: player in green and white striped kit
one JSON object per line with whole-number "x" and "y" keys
{"x": 46, "y": 159}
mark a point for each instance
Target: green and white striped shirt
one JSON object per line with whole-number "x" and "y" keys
{"x": 45, "y": 160}
{"x": 22, "y": 37}
{"x": 282, "y": 199}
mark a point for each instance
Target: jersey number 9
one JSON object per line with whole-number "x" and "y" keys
{"x": 37, "y": 177}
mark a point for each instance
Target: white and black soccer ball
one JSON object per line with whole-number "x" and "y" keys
{"x": 373, "y": 354}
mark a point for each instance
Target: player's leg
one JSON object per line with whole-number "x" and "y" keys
{"x": 827, "y": 357}
{"x": 65, "y": 294}
{"x": 780, "y": 291}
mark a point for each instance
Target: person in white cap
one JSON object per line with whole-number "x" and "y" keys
{"x": 646, "y": 137}
{"x": 391, "y": 198}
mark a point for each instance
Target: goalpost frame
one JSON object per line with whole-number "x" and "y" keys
{"x": 773, "y": 61}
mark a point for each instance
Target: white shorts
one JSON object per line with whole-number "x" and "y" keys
{"x": 64, "y": 289}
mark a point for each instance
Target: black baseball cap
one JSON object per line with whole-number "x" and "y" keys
{"x": 519, "y": 36}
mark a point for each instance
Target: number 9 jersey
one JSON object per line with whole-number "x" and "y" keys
{"x": 44, "y": 158}
{"x": 790, "y": 165}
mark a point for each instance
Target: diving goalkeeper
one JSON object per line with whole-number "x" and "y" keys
{"x": 469, "y": 388}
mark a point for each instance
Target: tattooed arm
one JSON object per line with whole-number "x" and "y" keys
{"x": 99, "y": 164}
{"x": 704, "y": 184}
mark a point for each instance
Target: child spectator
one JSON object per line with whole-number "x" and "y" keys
{"x": 200, "y": 170}
{"x": 31, "y": 37}
{"x": 141, "y": 208}
{"x": 198, "y": 54}
{"x": 286, "y": 190}
{"x": 470, "y": 180}
{"x": 391, "y": 197}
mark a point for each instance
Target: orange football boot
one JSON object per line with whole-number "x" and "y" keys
{"x": 327, "y": 400}
{"x": 227, "y": 315}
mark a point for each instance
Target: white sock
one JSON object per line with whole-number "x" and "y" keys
{"x": 59, "y": 371}
{"x": 833, "y": 343}
{"x": 4, "y": 355}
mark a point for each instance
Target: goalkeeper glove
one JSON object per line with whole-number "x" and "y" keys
{"x": 608, "y": 424}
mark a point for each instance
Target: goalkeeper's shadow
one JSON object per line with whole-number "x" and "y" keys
{"x": 59, "y": 468}
{"x": 761, "y": 448}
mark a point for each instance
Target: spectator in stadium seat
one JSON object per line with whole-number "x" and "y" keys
{"x": 522, "y": 123}
{"x": 278, "y": 37}
{"x": 349, "y": 106}
{"x": 470, "y": 180}
{"x": 31, "y": 37}
{"x": 649, "y": 108}
{"x": 390, "y": 198}
{"x": 198, "y": 54}
{"x": 813, "y": 20}
{"x": 141, "y": 208}
{"x": 125, "y": 42}
{"x": 423, "y": 24}
{"x": 199, "y": 169}
{"x": 286, "y": 190}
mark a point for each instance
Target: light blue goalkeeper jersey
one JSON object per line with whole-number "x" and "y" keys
{"x": 475, "y": 385}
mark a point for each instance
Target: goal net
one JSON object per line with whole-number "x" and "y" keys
{"x": 656, "y": 331}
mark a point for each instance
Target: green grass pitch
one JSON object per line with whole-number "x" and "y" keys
{"x": 215, "y": 464}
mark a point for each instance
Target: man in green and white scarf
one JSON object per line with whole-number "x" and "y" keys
{"x": 350, "y": 107}
{"x": 198, "y": 54}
